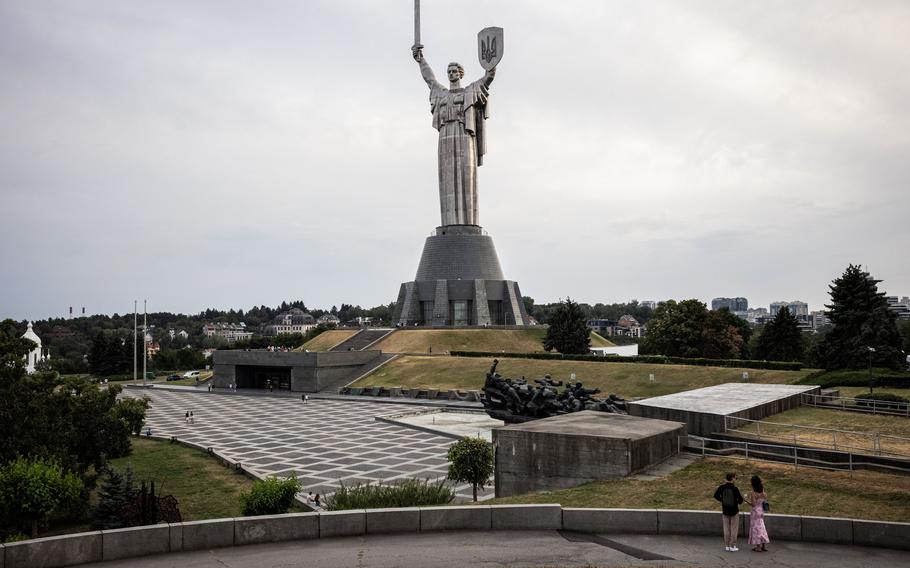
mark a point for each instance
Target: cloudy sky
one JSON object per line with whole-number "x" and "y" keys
{"x": 229, "y": 154}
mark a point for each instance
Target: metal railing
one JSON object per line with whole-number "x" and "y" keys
{"x": 840, "y": 440}
{"x": 886, "y": 407}
{"x": 764, "y": 451}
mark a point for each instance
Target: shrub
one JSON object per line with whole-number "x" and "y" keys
{"x": 270, "y": 496}
{"x": 891, "y": 401}
{"x": 857, "y": 378}
{"x": 652, "y": 359}
{"x": 408, "y": 493}
{"x": 31, "y": 490}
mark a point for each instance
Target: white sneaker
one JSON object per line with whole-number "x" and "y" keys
{"x": 727, "y": 548}
{"x": 734, "y": 549}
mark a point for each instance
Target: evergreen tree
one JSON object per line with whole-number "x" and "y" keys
{"x": 116, "y": 494}
{"x": 781, "y": 339}
{"x": 568, "y": 332}
{"x": 861, "y": 322}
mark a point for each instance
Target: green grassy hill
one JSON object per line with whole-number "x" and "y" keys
{"x": 443, "y": 340}
{"x": 625, "y": 379}
{"x": 327, "y": 339}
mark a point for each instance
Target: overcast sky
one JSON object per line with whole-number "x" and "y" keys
{"x": 231, "y": 153}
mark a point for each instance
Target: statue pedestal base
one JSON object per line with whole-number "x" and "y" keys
{"x": 459, "y": 282}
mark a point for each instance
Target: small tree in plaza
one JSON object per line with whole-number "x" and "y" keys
{"x": 568, "y": 332}
{"x": 31, "y": 490}
{"x": 471, "y": 461}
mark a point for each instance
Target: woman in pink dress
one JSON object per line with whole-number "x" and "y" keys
{"x": 758, "y": 535}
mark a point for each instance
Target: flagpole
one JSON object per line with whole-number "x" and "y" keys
{"x": 135, "y": 336}
{"x": 145, "y": 327}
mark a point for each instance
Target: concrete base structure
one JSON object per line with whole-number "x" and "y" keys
{"x": 459, "y": 282}
{"x": 572, "y": 449}
{"x": 705, "y": 410}
{"x": 293, "y": 370}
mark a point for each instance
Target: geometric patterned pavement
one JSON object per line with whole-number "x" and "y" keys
{"x": 324, "y": 442}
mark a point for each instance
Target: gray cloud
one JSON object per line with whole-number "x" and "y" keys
{"x": 220, "y": 154}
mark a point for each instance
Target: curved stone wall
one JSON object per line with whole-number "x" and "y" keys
{"x": 99, "y": 546}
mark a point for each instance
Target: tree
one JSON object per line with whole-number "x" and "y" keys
{"x": 904, "y": 328}
{"x": 781, "y": 339}
{"x": 33, "y": 489}
{"x": 861, "y": 322}
{"x": 528, "y": 301}
{"x": 70, "y": 420}
{"x": 725, "y": 336}
{"x": 568, "y": 331}
{"x": 131, "y": 411}
{"x": 471, "y": 461}
{"x": 676, "y": 329}
{"x": 117, "y": 492}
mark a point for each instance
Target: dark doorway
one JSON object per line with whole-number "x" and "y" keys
{"x": 249, "y": 377}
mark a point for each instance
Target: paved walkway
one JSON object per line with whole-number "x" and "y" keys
{"x": 519, "y": 549}
{"x": 325, "y": 442}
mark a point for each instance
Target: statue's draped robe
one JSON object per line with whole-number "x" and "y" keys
{"x": 459, "y": 115}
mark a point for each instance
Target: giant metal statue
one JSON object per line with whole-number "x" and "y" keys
{"x": 459, "y": 281}
{"x": 459, "y": 114}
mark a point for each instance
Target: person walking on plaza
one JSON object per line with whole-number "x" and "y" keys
{"x": 758, "y": 534}
{"x": 730, "y": 499}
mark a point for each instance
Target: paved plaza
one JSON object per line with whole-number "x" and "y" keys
{"x": 519, "y": 548}
{"x": 323, "y": 442}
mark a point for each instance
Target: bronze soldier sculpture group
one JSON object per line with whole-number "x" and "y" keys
{"x": 517, "y": 400}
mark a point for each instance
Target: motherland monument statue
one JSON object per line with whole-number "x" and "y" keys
{"x": 459, "y": 280}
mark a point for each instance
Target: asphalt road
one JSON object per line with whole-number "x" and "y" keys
{"x": 519, "y": 549}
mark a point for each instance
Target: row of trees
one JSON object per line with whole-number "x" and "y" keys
{"x": 544, "y": 313}
{"x": 864, "y": 332}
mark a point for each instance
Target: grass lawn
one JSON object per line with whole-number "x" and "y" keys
{"x": 791, "y": 491}
{"x": 204, "y": 488}
{"x": 838, "y": 420}
{"x": 442, "y": 340}
{"x": 625, "y": 379}
{"x": 327, "y": 339}
{"x": 598, "y": 340}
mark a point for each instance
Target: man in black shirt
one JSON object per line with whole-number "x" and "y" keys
{"x": 730, "y": 499}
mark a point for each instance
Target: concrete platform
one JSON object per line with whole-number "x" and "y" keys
{"x": 704, "y": 410}
{"x": 572, "y": 449}
{"x": 452, "y": 423}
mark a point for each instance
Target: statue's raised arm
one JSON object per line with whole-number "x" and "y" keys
{"x": 425, "y": 70}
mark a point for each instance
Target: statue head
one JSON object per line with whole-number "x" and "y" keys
{"x": 455, "y": 72}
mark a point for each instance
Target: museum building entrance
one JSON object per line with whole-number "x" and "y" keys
{"x": 251, "y": 377}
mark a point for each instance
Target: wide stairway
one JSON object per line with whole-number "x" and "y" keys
{"x": 362, "y": 339}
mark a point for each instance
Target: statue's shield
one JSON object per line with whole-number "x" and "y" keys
{"x": 489, "y": 47}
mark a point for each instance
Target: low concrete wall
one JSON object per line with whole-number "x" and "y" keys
{"x": 100, "y": 546}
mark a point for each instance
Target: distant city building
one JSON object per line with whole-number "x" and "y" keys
{"x": 33, "y": 357}
{"x": 328, "y": 320}
{"x": 649, "y": 304}
{"x": 819, "y": 319}
{"x": 626, "y": 326}
{"x": 900, "y": 308}
{"x": 294, "y": 320}
{"x": 798, "y": 308}
{"x": 229, "y": 331}
{"x": 775, "y": 307}
{"x": 181, "y": 334}
{"x": 733, "y": 304}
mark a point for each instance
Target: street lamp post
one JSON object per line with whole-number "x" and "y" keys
{"x": 871, "y": 380}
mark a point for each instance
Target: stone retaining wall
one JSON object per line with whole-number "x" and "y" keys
{"x": 99, "y": 546}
